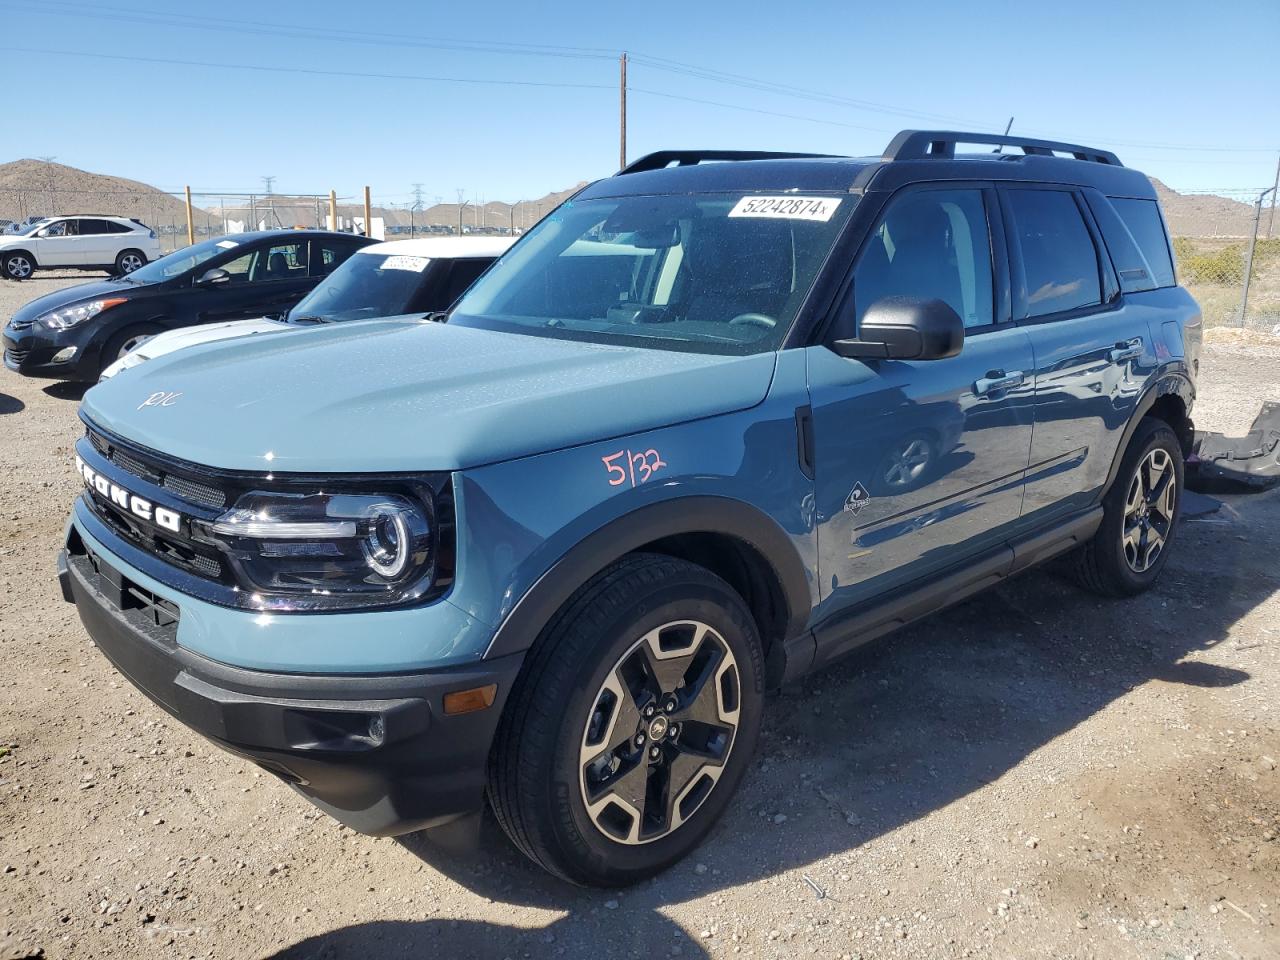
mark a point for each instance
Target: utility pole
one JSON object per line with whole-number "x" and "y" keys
{"x": 48, "y": 178}
{"x": 191, "y": 227}
{"x": 1275, "y": 192}
{"x": 417, "y": 205}
{"x": 1248, "y": 260}
{"x": 461, "y": 205}
{"x": 622, "y": 112}
{"x": 333, "y": 210}
{"x": 368, "y": 215}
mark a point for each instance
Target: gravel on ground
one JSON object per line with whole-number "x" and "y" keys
{"x": 1036, "y": 773}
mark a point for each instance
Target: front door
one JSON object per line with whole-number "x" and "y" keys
{"x": 918, "y": 464}
{"x": 58, "y": 245}
{"x": 264, "y": 281}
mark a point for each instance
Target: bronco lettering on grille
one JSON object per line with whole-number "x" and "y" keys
{"x": 127, "y": 500}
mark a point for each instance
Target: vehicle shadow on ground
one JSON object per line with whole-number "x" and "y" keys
{"x": 10, "y": 404}
{"x": 899, "y": 729}
{"x": 67, "y": 390}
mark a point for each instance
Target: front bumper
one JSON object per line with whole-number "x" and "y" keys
{"x": 376, "y": 752}
{"x": 30, "y": 351}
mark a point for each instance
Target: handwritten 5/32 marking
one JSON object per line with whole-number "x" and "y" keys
{"x": 636, "y": 467}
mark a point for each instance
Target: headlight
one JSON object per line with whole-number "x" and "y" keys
{"x": 300, "y": 551}
{"x": 77, "y": 313}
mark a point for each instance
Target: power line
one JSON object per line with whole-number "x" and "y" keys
{"x": 311, "y": 70}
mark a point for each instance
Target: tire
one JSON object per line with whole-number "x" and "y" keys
{"x": 122, "y": 341}
{"x": 17, "y": 264}
{"x": 587, "y": 683}
{"x": 1139, "y": 523}
{"x": 129, "y": 261}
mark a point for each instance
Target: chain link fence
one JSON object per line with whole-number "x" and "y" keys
{"x": 1213, "y": 238}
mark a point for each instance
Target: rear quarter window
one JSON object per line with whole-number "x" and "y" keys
{"x": 1142, "y": 217}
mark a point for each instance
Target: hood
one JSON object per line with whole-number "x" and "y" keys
{"x": 383, "y": 395}
{"x": 172, "y": 340}
{"x": 67, "y": 295}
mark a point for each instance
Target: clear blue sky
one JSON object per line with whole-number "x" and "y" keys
{"x": 1143, "y": 77}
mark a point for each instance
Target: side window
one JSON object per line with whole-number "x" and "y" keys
{"x": 327, "y": 256}
{"x": 93, "y": 227}
{"x": 114, "y": 227}
{"x": 241, "y": 267}
{"x": 462, "y": 274}
{"x": 62, "y": 228}
{"x": 932, "y": 245}
{"x": 284, "y": 261}
{"x": 1059, "y": 259}
{"x": 1142, "y": 217}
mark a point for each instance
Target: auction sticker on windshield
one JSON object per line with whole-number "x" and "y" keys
{"x": 787, "y": 208}
{"x": 401, "y": 262}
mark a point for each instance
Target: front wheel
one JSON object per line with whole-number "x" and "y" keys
{"x": 17, "y": 265}
{"x": 1140, "y": 516}
{"x": 633, "y": 723}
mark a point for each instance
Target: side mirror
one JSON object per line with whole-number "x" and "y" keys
{"x": 214, "y": 275}
{"x": 906, "y": 328}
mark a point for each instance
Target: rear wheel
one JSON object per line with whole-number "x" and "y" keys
{"x": 129, "y": 261}
{"x": 17, "y": 264}
{"x": 1140, "y": 516}
{"x": 632, "y": 725}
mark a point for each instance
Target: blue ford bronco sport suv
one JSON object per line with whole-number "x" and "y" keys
{"x": 708, "y": 426}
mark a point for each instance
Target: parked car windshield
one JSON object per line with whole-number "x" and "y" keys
{"x": 27, "y": 229}
{"x": 180, "y": 261}
{"x": 720, "y": 273}
{"x": 366, "y": 285}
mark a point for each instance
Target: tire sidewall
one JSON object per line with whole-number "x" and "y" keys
{"x": 111, "y": 349}
{"x": 120, "y": 271}
{"x": 715, "y": 604}
{"x": 1152, "y": 434}
{"x": 14, "y": 255}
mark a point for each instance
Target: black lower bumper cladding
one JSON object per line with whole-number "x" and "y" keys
{"x": 375, "y": 752}
{"x": 1253, "y": 460}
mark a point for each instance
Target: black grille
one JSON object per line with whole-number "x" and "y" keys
{"x": 194, "y": 491}
{"x": 200, "y": 493}
{"x": 15, "y": 356}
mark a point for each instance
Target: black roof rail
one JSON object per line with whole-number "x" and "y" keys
{"x": 925, "y": 144}
{"x": 685, "y": 158}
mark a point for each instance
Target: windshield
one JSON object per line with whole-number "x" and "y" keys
{"x": 366, "y": 285}
{"x": 26, "y": 230}
{"x": 720, "y": 273}
{"x": 180, "y": 261}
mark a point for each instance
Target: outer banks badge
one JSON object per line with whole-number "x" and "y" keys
{"x": 857, "y": 499}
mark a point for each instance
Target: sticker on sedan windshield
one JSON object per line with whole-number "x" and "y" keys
{"x": 401, "y": 262}
{"x": 787, "y": 208}
{"x": 227, "y": 244}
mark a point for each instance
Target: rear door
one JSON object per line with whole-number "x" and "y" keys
{"x": 1093, "y": 353}
{"x": 98, "y": 244}
{"x": 920, "y": 463}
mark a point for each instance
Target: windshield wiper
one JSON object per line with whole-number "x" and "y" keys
{"x": 309, "y": 318}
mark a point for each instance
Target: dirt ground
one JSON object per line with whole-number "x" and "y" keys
{"x": 1035, "y": 773}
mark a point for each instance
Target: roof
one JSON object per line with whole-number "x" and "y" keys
{"x": 450, "y": 247}
{"x": 912, "y": 156}
{"x": 251, "y": 235}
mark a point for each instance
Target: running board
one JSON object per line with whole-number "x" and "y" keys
{"x": 850, "y": 629}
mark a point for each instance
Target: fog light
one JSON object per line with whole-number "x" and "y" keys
{"x": 63, "y": 355}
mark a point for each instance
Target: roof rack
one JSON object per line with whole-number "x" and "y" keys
{"x": 927, "y": 144}
{"x": 685, "y": 158}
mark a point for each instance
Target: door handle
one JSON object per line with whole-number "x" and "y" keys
{"x": 1124, "y": 352}
{"x": 997, "y": 380}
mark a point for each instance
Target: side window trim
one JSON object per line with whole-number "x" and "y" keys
{"x": 1018, "y": 276}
